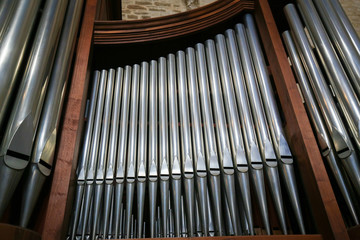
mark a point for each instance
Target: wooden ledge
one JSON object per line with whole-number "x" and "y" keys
{"x": 167, "y": 27}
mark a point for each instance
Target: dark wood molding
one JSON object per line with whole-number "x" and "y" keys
{"x": 168, "y": 27}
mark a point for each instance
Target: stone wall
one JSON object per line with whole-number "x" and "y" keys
{"x": 142, "y": 9}
{"x": 352, "y": 9}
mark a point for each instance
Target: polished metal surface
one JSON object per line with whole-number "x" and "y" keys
{"x": 13, "y": 45}
{"x": 7, "y": 8}
{"x": 153, "y": 159}
{"x": 186, "y": 146}
{"x": 337, "y": 130}
{"x": 131, "y": 150}
{"x": 175, "y": 160}
{"x": 282, "y": 150}
{"x": 341, "y": 41}
{"x": 326, "y": 147}
{"x": 17, "y": 142}
{"x": 222, "y": 134}
{"x": 141, "y": 169}
{"x": 335, "y": 4}
{"x": 42, "y": 156}
{"x": 171, "y": 168}
{"x": 198, "y": 145}
{"x": 212, "y": 158}
{"x": 348, "y": 101}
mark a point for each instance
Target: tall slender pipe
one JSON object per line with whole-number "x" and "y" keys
{"x": 264, "y": 139}
{"x": 141, "y": 169}
{"x": 131, "y": 151}
{"x": 7, "y": 9}
{"x": 12, "y": 51}
{"x": 236, "y": 137}
{"x": 212, "y": 160}
{"x": 84, "y": 155}
{"x": 198, "y": 144}
{"x": 113, "y": 141}
{"x": 186, "y": 147}
{"x": 341, "y": 41}
{"x": 349, "y": 103}
{"x": 163, "y": 145}
{"x": 340, "y": 138}
{"x": 229, "y": 96}
{"x": 94, "y": 151}
{"x": 121, "y": 154}
{"x": 335, "y": 4}
{"x": 153, "y": 146}
{"x": 321, "y": 134}
{"x": 42, "y": 156}
{"x": 174, "y": 145}
{"x": 103, "y": 154}
{"x": 17, "y": 142}
{"x": 223, "y": 136}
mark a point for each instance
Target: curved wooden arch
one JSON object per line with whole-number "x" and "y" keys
{"x": 160, "y": 28}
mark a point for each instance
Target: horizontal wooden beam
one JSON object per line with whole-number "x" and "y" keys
{"x": 168, "y": 27}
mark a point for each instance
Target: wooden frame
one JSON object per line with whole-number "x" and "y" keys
{"x": 316, "y": 183}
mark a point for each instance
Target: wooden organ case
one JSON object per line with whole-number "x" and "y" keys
{"x": 105, "y": 44}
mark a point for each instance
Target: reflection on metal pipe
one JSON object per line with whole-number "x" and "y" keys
{"x": 174, "y": 145}
{"x": 213, "y": 165}
{"x": 260, "y": 124}
{"x": 345, "y": 94}
{"x": 198, "y": 144}
{"x": 282, "y": 150}
{"x": 141, "y": 170}
{"x": 94, "y": 150}
{"x": 153, "y": 146}
{"x": 335, "y": 4}
{"x": 343, "y": 146}
{"x": 84, "y": 156}
{"x": 323, "y": 139}
{"x": 163, "y": 146}
{"x": 7, "y": 9}
{"x": 223, "y": 139}
{"x": 341, "y": 41}
{"x": 16, "y": 39}
{"x": 131, "y": 150}
{"x": 121, "y": 156}
{"x": 17, "y": 142}
{"x": 186, "y": 148}
{"x": 44, "y": 146}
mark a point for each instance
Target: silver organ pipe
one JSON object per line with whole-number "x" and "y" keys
{"x": 17, "y": 141}
{"x": 172, "y": 147}
{"x": 330, "y": 87}
{"x": 197, "y": 121}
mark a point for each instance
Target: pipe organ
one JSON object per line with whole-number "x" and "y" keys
{"x": 189, "y": 125}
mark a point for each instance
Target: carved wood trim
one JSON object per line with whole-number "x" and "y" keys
{"x": 167, "y": 27}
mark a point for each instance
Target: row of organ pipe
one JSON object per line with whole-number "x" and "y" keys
{"x": 35, "y": 61}
{"x": 325, "y": 56}
{"x": 178, "y": 146}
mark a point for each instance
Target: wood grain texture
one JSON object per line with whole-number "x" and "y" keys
{"x": 167, "y": 27}
{"x": 71, "y": 130}
{"x": 302, "y": 141}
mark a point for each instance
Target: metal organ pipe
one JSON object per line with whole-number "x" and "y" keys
{"x": 192, "y": 162}
{"x": 17, "y": 142}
